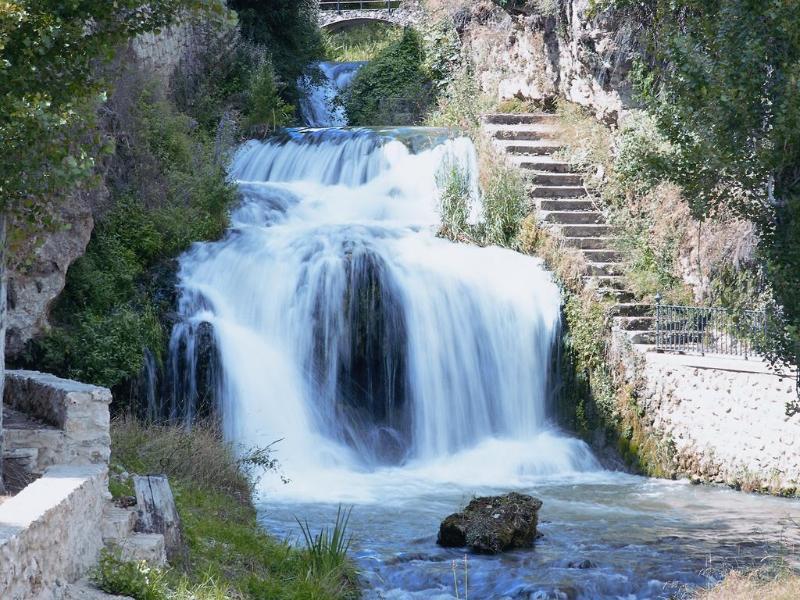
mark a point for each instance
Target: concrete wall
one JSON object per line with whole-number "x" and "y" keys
{"x": 77, "y": 415}
{"x": 50, "y": 533}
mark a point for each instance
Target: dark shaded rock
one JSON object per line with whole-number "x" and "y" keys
{"x": 492, "y": 524}
{"x": 581, "y": 564}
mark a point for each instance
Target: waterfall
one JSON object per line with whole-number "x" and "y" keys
{"x": 347, "y": 329}
{"x": 320, "y": 106}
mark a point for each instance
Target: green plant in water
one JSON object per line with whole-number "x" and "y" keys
{"x": 327, "y": 550}
{"x": 455, "y": 200}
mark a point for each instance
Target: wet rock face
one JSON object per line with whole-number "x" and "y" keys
{"x": 492, "y": 524}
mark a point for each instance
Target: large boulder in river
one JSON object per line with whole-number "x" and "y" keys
{"x": 493, "y": 524}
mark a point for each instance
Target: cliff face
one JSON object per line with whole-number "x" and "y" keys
{"x": 557, "y": 48}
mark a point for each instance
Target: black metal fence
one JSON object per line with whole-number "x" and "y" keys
{"x": 702, "y": 330}
{"x": 339, "y": 6}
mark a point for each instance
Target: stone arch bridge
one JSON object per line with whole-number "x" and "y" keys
{"x": 336, "y": 15}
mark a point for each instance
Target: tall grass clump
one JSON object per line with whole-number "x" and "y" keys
{"x": 504, "y": 207}
{"x": 327, "y": 550}
{"x": 455, "y": 200}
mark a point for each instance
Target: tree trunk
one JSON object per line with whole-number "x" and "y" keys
{"x": 157, "y": 511}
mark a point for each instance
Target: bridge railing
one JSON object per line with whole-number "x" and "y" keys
{"x": 706, "y": 330}
{"x": 339, "y": 6}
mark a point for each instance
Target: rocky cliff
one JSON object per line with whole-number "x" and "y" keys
{"x": 551, "y": 49}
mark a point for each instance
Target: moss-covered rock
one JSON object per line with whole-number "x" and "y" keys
{"x": 493, "y": 524}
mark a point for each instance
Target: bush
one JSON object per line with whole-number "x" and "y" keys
{"x": 127, "y": 578}
{"x": 504, "y": 200}
{"x": 264, "y": 106}
{"x": 393, "y": 88}
{"x": 167, "y": 191}
{"x": 455, "y": 200}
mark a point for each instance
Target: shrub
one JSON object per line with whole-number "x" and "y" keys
{"x": 391, "y": 89}
{"x": 455, "y": 200}
{"x": 264, "y": 106}
{"x": 138, "y": 580}
{"x": 504, "y": 200}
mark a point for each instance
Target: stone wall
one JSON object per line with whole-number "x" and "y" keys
{"x": 723, "y": 419}
{"x": 543, "y": 55}
{"x": 50, "y": 532}
{"x": 66, "y": 422}
{"x": 160, "y": 53}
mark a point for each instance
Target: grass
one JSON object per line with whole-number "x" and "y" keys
{"x": 754, "y": 586}
{"x": 226, "y": 549}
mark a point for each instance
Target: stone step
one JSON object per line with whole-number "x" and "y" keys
{"x": 600, "y": 268}
{"x": 144, "y": 546}
{"x": 589, "y": 243}
{"x": 519, "y": 118}
{"x": 118, "y": 524}
{"x": 586, "y": 231}
{"x": 529, "y": 148}
{"x": 558, "y": 179}
{"x": 543, "y": 163}
{"x": 620, "y": 296}
{"x": 569, "y": 204}
{"x": 645, "y": 324}
{"x": 632, "y": 309}
{"x": 558, "y": 191}
{"x": 604, "y": 256}
{"x": 527, "y": 133}
{"x": 614, "y": 282}
{"x": 644, "y": 338}
{"x": 577, "y": 217}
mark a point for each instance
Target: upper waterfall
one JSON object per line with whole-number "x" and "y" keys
{"x": 320, "y": 107}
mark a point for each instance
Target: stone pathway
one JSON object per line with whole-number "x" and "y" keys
{"x": 563, "y": 204}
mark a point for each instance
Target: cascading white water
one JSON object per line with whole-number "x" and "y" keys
{"x": 319, "y": 106}
{"x": 347, "y": 329}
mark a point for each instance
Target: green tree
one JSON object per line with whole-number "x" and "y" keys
{"x": 722, "y": 78}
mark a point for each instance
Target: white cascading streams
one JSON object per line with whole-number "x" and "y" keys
{"x": 319, "y": 107}
{"x": 344, "y": 327}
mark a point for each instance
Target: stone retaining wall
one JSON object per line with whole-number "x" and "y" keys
{"x": 50, "y": 533}
{"x": 723, "y": 418}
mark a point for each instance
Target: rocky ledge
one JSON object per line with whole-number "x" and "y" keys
{"x": 492, "y": 524}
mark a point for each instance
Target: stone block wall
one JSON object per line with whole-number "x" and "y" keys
{"x": 50, "y": 533}
{"x": 74, "y": 419}
{"x": 723, "y": 418}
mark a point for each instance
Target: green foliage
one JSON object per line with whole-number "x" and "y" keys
{"x": 504, "y": 200}
{"x": 226, "y": 547}
{"x": 167, "y": 192}
{"x": 264, "y": 106}
{"x": 138, "y": 580}
{"x": 327, "y": 550}
{"x": 722, "y": 79}
{"x": 50, "y": 87}
{"x": 392, "y": 88}
{"x": 455, "y": 200}
{"x": 360, "y": 43}
{"x": 288, "y": 28}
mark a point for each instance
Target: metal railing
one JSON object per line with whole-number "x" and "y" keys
{"x": 704, "y": 330}
{"x": 339, "y": 6}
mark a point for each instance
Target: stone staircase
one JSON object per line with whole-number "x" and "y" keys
{"x": 563, "y": 205}
{"x": 118, "y": 534}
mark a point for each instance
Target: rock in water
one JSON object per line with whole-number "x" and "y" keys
{"x": 492, "y": 524}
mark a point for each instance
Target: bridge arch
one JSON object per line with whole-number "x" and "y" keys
{"x": 407, "y": 13}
